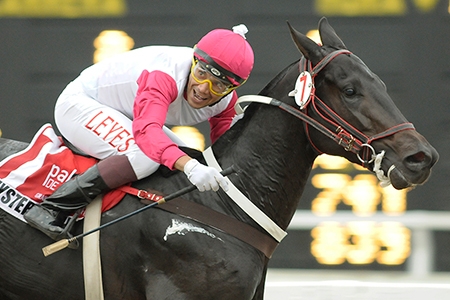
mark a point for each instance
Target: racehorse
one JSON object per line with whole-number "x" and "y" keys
{"x": 346, "y": 112}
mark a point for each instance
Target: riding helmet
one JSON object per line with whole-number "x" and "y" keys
{"x": 228, "y": 52}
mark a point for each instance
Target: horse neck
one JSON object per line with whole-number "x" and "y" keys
{"x": 273, "y": 159}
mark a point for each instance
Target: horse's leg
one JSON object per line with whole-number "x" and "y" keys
{"x": 259, "y": 293}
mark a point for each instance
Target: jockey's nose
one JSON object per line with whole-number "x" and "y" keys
{"x": 203, "y": 87}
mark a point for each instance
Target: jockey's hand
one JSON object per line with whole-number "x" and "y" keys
{"x": 203, "y": 177}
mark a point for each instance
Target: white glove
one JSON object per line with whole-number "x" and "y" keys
{"x": 203, "y": 177}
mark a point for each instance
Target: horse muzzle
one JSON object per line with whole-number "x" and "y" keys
{"x": 412, "y": 169}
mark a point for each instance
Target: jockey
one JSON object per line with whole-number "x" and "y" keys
{"x": 117, "y": 111}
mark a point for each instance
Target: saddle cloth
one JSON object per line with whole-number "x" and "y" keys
{"x": 29, "y": 176}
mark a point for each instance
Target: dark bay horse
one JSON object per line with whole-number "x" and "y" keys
{"x": 272, "y": 149}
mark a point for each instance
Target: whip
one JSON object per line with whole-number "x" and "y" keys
{"x": 64, "y": 243}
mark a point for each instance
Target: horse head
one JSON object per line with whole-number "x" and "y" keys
{"x": 352, "y": 102}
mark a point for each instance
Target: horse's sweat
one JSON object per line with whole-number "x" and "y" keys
{"x": 181, "y": 228}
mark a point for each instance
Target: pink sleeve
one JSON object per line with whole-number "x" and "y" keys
{"x": 156, "y": 90}
{"x": 222, "y": 122}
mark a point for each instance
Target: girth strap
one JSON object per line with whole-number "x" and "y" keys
{"x": 205, "y": 215}
{"x": 92, "y": 266}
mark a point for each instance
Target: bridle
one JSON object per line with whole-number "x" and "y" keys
{"x": 344, "y": 134}
{"x": 350, "y": 138}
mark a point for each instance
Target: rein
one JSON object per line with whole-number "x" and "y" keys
{"x": 344, "y": 134}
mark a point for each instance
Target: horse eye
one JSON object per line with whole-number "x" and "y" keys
{"x": 349, "y": 92}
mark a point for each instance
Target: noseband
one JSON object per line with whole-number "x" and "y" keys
{"x": 350, "y": 138}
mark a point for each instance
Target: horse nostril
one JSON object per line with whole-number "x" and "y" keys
{"x": 417, "y": 158}
{"x": 419, "y": 161}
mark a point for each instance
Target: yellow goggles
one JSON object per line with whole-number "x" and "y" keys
{"x": 202, "y": 74}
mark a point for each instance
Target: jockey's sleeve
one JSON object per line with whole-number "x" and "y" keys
{"x": 156, "y": 90}
{"x": 222, "y": 121}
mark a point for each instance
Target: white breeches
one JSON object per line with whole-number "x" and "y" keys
{"x": 101, "y": 131}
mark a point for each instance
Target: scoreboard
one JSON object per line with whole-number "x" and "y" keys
{"x": 346, "y": 221}
{"x": 339, "y": 187}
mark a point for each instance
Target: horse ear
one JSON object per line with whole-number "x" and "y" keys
{"x": 306, "y": 46}
{"x": 329, "y": 36}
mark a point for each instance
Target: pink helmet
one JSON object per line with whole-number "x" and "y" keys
{"x": 228, "y": 53}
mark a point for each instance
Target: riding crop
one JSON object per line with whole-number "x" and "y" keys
{"x": 64, "y": 243}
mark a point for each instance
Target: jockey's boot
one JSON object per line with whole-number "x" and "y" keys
{"x": 50, "y": 216}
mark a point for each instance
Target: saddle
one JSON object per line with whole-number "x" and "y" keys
{"x": 29, "y": 176}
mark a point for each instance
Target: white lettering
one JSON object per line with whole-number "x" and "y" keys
{"x": 57, "y": 176}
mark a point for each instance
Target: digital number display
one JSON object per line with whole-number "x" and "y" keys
{"x": 386, "y": 243}
{"x": 340, "y": 183}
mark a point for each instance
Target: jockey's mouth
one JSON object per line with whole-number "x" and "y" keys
{"x": 198, "y": 96}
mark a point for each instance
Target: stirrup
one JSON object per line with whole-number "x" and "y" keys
{"x": 65, "y": 234}
{"x": 41, "y": 218}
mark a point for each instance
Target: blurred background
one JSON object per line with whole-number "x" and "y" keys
{"x": 346, "y": 225}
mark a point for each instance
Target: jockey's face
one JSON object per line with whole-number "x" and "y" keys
{"x": 199, "y": 95}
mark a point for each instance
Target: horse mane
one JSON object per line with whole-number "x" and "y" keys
{"x": 221, "y": 145}
{"x": 280, "y": 76}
